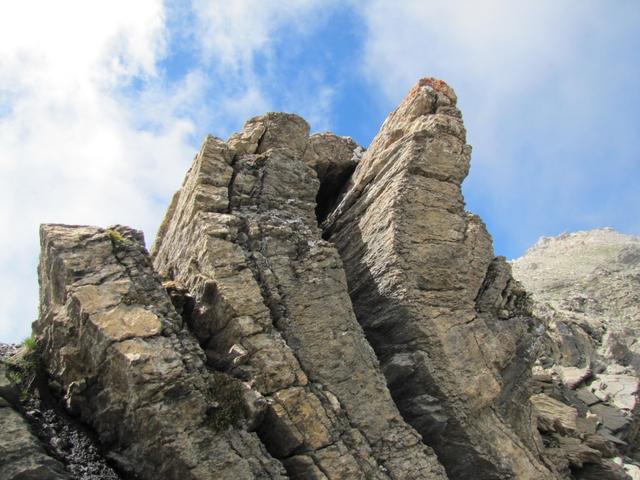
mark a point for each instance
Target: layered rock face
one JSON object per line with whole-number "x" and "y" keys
{"x": 449, "y": 325}
{"x": 312, "y": 310}
{"x": 113, "y": 342}
{"x": 272, "y": 307}
{"x": 586, "y": 287}
{"x": 21, "y": 455}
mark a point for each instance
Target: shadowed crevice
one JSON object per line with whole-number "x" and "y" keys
{"x": 330, "y": 189}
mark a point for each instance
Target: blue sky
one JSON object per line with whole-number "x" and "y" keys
{"x": 103, "y": 105}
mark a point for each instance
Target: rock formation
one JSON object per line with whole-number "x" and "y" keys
{"x": 272, "y": 307}
{"x": 449, "y": 325}
{"x": 312, "y": 310}
{"x": 111, "y": 338}
{"x": 586, "y": 287}
{"x": 21, "y": 454}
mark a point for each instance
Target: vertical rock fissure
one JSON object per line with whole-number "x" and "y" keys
{"x": 329, "y": 193}
{"x": 278, "y": 312}
{"x": 274, "y": 298}
{"x": 333, "y": 158}
{"x": 280, "y": 315}
{"x": 273, "y": 307}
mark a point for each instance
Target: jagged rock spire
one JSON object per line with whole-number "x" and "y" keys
{"x": 325, "y": 313}
{"x": 272, "y": 306}
{"x": 441, "y": 313}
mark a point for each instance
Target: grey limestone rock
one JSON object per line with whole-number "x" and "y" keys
{"x": 585, "y": 289}
{"x": 272, "y": 306}
{"x": 110, "y": 336}
{"x": 21, "y": 454}
{"x": 312, "y": 310}
{"x": 451, "y": 328}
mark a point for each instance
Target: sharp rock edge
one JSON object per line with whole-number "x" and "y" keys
{"x": 314, "y": 310}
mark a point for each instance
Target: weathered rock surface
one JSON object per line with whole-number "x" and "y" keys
{"x": 553, "y": 415}
{"x": 586, "y": 287}
{"x": 450, "y": 326}
{"x": 21, "y": 454}
{"x": 71, "y": 448}
{"x": 110, "y": 337}
{"x": 271, "y": 302}
{"x": 312, "y": 310}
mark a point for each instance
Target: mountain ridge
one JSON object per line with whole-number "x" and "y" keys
{"x": 314, "y": 310}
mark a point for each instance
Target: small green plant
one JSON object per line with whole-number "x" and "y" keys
{"x": 116, "y": 237}
{"x": 29, "y": 343}
{"x": 23, "y": 369}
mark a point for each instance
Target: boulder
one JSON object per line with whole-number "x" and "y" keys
{"x": 573, "y": 377}
{"x": 620, "y": 391}
{"x": 553, "y": 415}
{"x": 8, "y": 390}
{"x": 22, "y": 456}
{"x": 599, "y": 471}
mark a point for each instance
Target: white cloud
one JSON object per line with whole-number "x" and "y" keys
{"x": 66, "y": 44}
{"x": 71, "y": 147}
{"x": 241, "y": 46}
{"x": 234, "y": 32}
{"x": 491, "y": 52}
{"x": 539, "y": 82}
{"x": 96, "y": 129}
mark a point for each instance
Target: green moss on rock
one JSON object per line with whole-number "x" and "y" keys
{"x": 227, "y": 398}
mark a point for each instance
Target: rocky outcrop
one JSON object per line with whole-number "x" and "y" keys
{"x": 312, "y": 310}
{"x": 271, "y": 306}
{"x": 110, "y": 337}
{"x": 449, "y": 325}
{"x": 586, "y": 287}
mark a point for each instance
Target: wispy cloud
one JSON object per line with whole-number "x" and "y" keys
{"x": 550, "y": 97}
{"x": 243, "y": 47}
{"x": 72, "y": 149}
{"x": 102, "y": 107}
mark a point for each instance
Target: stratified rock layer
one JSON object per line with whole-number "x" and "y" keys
{"x": 109, "y": 335}
{"x": 271, "y": 302}
{"x": 450, "y": 326}
{"x": 249, "y": 354}
{"x": 586, "y": 287}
